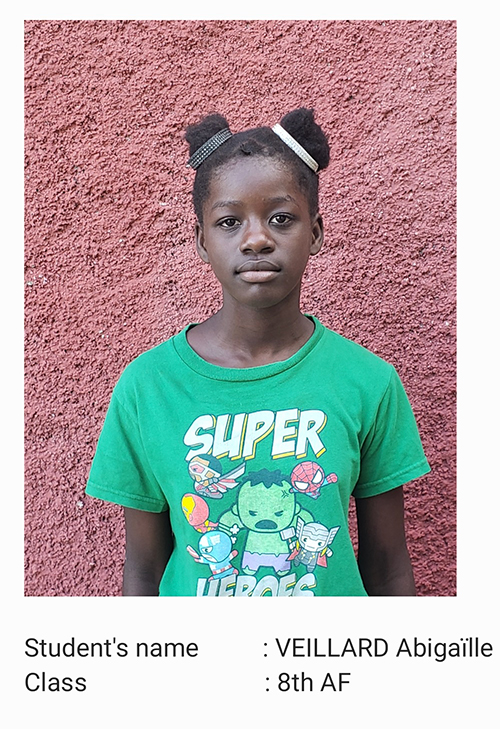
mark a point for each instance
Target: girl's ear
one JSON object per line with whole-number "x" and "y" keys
{"x": 317, "y": 234}
{"x": 200, "y": 243}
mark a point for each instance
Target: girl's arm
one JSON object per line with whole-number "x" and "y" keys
{"x": 383, "y": 557}
{"x": 149, "y": 545}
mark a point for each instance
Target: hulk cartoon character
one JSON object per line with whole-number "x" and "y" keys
{"x": 265, "y": 507}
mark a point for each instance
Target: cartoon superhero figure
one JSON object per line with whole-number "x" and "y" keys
{"x": 195, "y": 509}
{"x": 308, "y": 477}
{"x": 208, "y": 479}
{"x": 312, "y": 548}
{"x": 265, "y": 507}
{"x": 216, "y": 551}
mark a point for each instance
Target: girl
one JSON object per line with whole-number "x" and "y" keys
{"x": 235, "y": 446}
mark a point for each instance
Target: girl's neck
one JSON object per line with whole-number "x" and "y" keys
{"x": 250, "y": 338}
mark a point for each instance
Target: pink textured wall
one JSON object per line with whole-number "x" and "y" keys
{"x": 110, "y": 259}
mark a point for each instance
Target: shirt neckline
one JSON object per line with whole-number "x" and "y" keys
{"x": 243, "y": 374}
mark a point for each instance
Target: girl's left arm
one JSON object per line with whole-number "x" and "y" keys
{"x": 383, "y": 557}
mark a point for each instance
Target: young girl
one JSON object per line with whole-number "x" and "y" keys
{"x": 235, "y": 446}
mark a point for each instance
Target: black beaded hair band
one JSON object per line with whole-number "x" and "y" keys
{"x": 208, "y": 147}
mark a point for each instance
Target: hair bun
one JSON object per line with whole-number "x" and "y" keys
{"x": 301, "y": 125}
{"x": 198, "y": 134}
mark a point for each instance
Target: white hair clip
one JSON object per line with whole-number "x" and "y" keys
{"x": 295, "y": 147}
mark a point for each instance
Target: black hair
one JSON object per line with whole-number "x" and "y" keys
{"x": 261, "y": 141}
{"x": 268, "y": 478}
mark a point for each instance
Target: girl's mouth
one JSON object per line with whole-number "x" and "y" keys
{"x": 258, "y": 270}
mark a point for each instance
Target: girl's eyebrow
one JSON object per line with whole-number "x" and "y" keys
{"x": 225, "y": 204}
{"x": 233, "y": 203}
{"x": 282, "y": 199}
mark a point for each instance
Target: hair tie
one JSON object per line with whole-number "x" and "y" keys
{"x": 295, "y": 147}
{"x": 208, "y": 147}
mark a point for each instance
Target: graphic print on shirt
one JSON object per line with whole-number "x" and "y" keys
{"x": 208, "y": 479}
{"x": 309, "y": 477}
{"x": 312, "y": 544}
{"x": 280, "y": 542}
{"x": 216, "y": 551}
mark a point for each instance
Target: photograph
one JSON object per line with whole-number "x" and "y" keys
{"x": 240, "y": 308}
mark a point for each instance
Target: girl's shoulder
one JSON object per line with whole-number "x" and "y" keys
{"x": 351, "y": 354}
{"x": 156, "y": 360}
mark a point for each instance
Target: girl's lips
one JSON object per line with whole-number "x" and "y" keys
{"x": 258, "y": 271}
{"x": 259, "y": 264}
{"x": 259, "y": 275}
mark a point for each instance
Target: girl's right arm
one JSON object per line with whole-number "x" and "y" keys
{"x": 149, "y": 544}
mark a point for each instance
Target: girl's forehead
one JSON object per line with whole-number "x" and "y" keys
{"x": 250, "y": 175}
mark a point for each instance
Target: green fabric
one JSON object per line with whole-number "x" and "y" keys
{"x": 257, "y": 465}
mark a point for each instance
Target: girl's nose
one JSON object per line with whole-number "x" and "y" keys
{"x": 257, "y": 238}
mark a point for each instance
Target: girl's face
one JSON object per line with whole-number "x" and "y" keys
{"x": 257, "y": 232}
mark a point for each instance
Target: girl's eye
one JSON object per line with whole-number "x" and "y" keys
{"x": 228, "y": 223}
{"x": 281, "y": 218}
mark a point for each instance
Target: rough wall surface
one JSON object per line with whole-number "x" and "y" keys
{"x": 110, "y": 263}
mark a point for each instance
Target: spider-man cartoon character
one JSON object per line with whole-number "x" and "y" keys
{"x": 308, "y": 477}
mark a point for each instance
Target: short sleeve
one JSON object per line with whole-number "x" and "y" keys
{"x": 392, "y": 452}
{"x": 120, "y": 471}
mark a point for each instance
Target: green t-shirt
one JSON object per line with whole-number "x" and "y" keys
{"x": 256, "y": 465}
